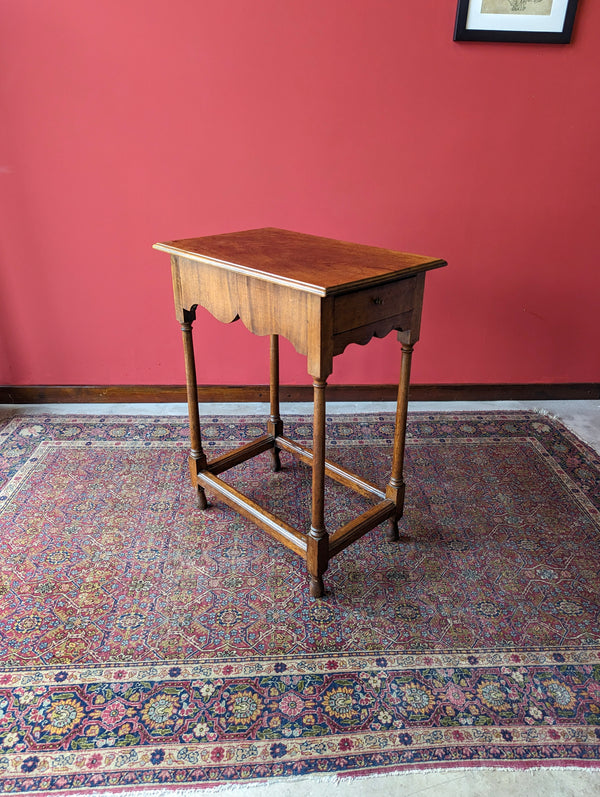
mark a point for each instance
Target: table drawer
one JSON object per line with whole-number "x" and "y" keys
{"x": 366, "y": 306}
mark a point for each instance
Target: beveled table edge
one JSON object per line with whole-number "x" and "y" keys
{"x": 170, "y": 247}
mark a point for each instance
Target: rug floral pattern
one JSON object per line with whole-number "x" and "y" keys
{"x": 145, "y": 642}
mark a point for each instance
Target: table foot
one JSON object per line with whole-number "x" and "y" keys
{"x": 201, "y": 498}
{"x": 275, "y": 461}
{"x": 392, "y": 532}
{"x": 316, "y": 587}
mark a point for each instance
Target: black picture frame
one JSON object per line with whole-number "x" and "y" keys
{"x": 562, "y": 36}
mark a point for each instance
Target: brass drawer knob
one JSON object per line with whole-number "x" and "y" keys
{"x": 377, "y": 300}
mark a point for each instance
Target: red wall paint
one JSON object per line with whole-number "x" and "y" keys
{"x": 128, "y": 123}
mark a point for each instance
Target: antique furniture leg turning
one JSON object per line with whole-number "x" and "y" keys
{"x": 322, "y": 295}
{"x": 275, "y": 425}
{"x": 396, "y": 488}
{"x": 318, "y": 540}
{"x": 197, "y": 458}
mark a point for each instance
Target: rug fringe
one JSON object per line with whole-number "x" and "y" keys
{"x": 546, "y": 413}
{"x": 568, "y": 424}
{"x": 350, "y": 785}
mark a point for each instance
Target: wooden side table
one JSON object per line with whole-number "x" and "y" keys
{"x": 320, "y": 294}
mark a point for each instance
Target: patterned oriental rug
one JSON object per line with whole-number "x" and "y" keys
{"x": 144, "y": 643}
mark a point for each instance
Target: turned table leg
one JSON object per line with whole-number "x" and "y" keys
{"x": 197, "y": 457}
{"x": 318, "y": 540}
{"x": 395, "y": 488}
{"x": 275, "y": 425}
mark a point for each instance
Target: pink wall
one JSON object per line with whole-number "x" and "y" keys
{"x": 126, "y": 123}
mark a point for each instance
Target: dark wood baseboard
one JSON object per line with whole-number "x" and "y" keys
{"x": 79, "y": 394}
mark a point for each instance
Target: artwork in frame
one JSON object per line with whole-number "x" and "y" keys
{"x": 542, "y": 21}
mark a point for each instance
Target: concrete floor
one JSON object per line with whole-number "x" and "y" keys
{"x": 582, "y": 418}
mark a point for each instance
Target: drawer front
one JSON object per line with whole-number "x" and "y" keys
{"x": 373, "y": 304}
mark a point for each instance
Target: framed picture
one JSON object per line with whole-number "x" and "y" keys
{"x": 549, "y": 21}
